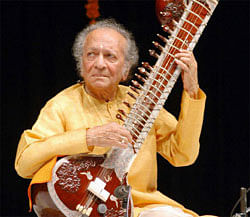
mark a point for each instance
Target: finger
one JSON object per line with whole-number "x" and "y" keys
{"x": 111, "y": 134}
{"x": 112, "y": 140}
{"x": 183, "y": 66}
{"x": 185, "y": 51}
{"x": 121, "y": 130}
{"x": 120, "y": 142}
{"x": 186, "y": 60}
{"x": 124, "y": 142}
{"x": 118, "y": 134}
{"x": 178, "y": 55}
{"x": 187, "y": 55}
{"x": 126, "y": 134}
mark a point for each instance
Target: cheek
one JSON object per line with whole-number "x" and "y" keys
{"x": 119, "y": 75}
{"x": 84, "y": 71}
{"x": 86, "y": 67}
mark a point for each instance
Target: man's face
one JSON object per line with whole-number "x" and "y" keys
{"x": 103, "y": 59}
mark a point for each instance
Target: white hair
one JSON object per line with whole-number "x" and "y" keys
{"x": 131, "y": 50}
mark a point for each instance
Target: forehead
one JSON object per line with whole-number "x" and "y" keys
{"x": 105, "y": 38}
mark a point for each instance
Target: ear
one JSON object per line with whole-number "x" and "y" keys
{"x": 124, "y": 76}
{"x": 125, "y": 73}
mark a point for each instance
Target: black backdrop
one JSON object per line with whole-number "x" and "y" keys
{"x": 36, "y": 40}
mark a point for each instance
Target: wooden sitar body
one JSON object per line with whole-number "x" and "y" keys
{"x": 68, "y": 190}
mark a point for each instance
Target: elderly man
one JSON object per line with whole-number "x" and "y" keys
{"x": 82, "y": 119}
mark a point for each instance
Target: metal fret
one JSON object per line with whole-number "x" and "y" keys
{"x": 153, "y": 94}
{"x": 159, "y": 82}
{"x": 172, "y": 45}
{"x": 179, "y": 39}
{"x": 133, "y": 128}
{"x": 136, "y": 119}
{"x": 204, "y": 6}
{"x": 185, "y": 30}
{"x": 190, "y": 11}
{"x": 156, "y": 88}
{"x": 132, "y": 131}
{"x": 164, "y": 69}
{"x": 187, "y": 21}
{"x": 138, "y": 115}
{"x": 144, "y": 107}
{"x": 166, "y": 52}
{"x": 147, "y": 97}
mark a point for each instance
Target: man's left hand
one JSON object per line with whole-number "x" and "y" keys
{"x": 186, "y": 61}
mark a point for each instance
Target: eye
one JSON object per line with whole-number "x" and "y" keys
{"x": 90, "y": 55}
{"x": 111, "y": 57}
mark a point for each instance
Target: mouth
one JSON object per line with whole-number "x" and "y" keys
{"x": 100, "y": 76}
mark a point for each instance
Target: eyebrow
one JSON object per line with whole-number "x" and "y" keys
{"x": 104, "y": 49}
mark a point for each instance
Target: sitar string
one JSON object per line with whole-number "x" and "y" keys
{"x": 168, "y": 63}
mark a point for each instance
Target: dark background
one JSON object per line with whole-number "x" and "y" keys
{"x": 36, "y": 63}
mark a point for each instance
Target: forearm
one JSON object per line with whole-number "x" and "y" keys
{"x": 30, "y": 157}
{"x": 182, "y": 146}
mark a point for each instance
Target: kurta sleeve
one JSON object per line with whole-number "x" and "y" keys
{"x": 48, "y": 138}
{"x": 178, "y": 141}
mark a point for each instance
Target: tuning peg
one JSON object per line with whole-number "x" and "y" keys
{"x": 185, "y": 3}
{"x": 122, "y": 112}
{"x": 140, "y": 77}
{"x": 164, "y": 14}
{"x": 175, "y": 23}
{"x": 157, "y": 45}
{"x": 153, "y": 53}
{"x": 132, "y": 95}
{"x": 143, "y": 71}
{"x": 167, "y": 29}
{"x": 134, "y": 89}
{"x": 79, "y": 82}
{"x": 147, "y": 65}
{"x": 162, "y": 38}
{"x": 136, "y": 84}
{"x": 118, "y": 116}
{"x": 127, "y": 104}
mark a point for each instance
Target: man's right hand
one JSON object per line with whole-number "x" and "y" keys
{"x": 108, "y": 135}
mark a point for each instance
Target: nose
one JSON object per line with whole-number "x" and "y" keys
{"x": 100, "y": 62}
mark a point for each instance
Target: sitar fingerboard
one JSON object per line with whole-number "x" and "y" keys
{"x": 160, "y": 82}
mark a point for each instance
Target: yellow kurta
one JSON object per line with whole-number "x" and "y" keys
{"x": 61, "y": 130}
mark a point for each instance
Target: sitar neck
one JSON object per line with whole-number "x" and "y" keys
{"x": 186, "y": 30}
{"x": 165, "y": 72}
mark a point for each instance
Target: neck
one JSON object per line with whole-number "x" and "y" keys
{"x": 102, "y": 94}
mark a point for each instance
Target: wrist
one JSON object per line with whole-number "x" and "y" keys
{"x": 193, "y": 92}
{"x": 88, "y": 137}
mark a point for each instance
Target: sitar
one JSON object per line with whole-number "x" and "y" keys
{"x": 96, "y": 186}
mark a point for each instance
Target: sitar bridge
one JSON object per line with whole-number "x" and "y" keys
{"x": 97, "y": 188}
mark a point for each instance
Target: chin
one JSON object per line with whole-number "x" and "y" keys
{"x": 100, "y": 85}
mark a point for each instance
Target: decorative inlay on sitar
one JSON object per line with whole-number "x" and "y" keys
{"x": 94, "y": 186}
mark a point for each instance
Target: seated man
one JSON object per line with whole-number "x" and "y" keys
{"x": 82, "y": 119}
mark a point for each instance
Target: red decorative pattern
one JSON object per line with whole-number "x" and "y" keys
{"x": 92, "y": 10}
{"x": 169, "y": 10}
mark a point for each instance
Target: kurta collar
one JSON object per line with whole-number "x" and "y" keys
{"x": 121, "y": 91}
